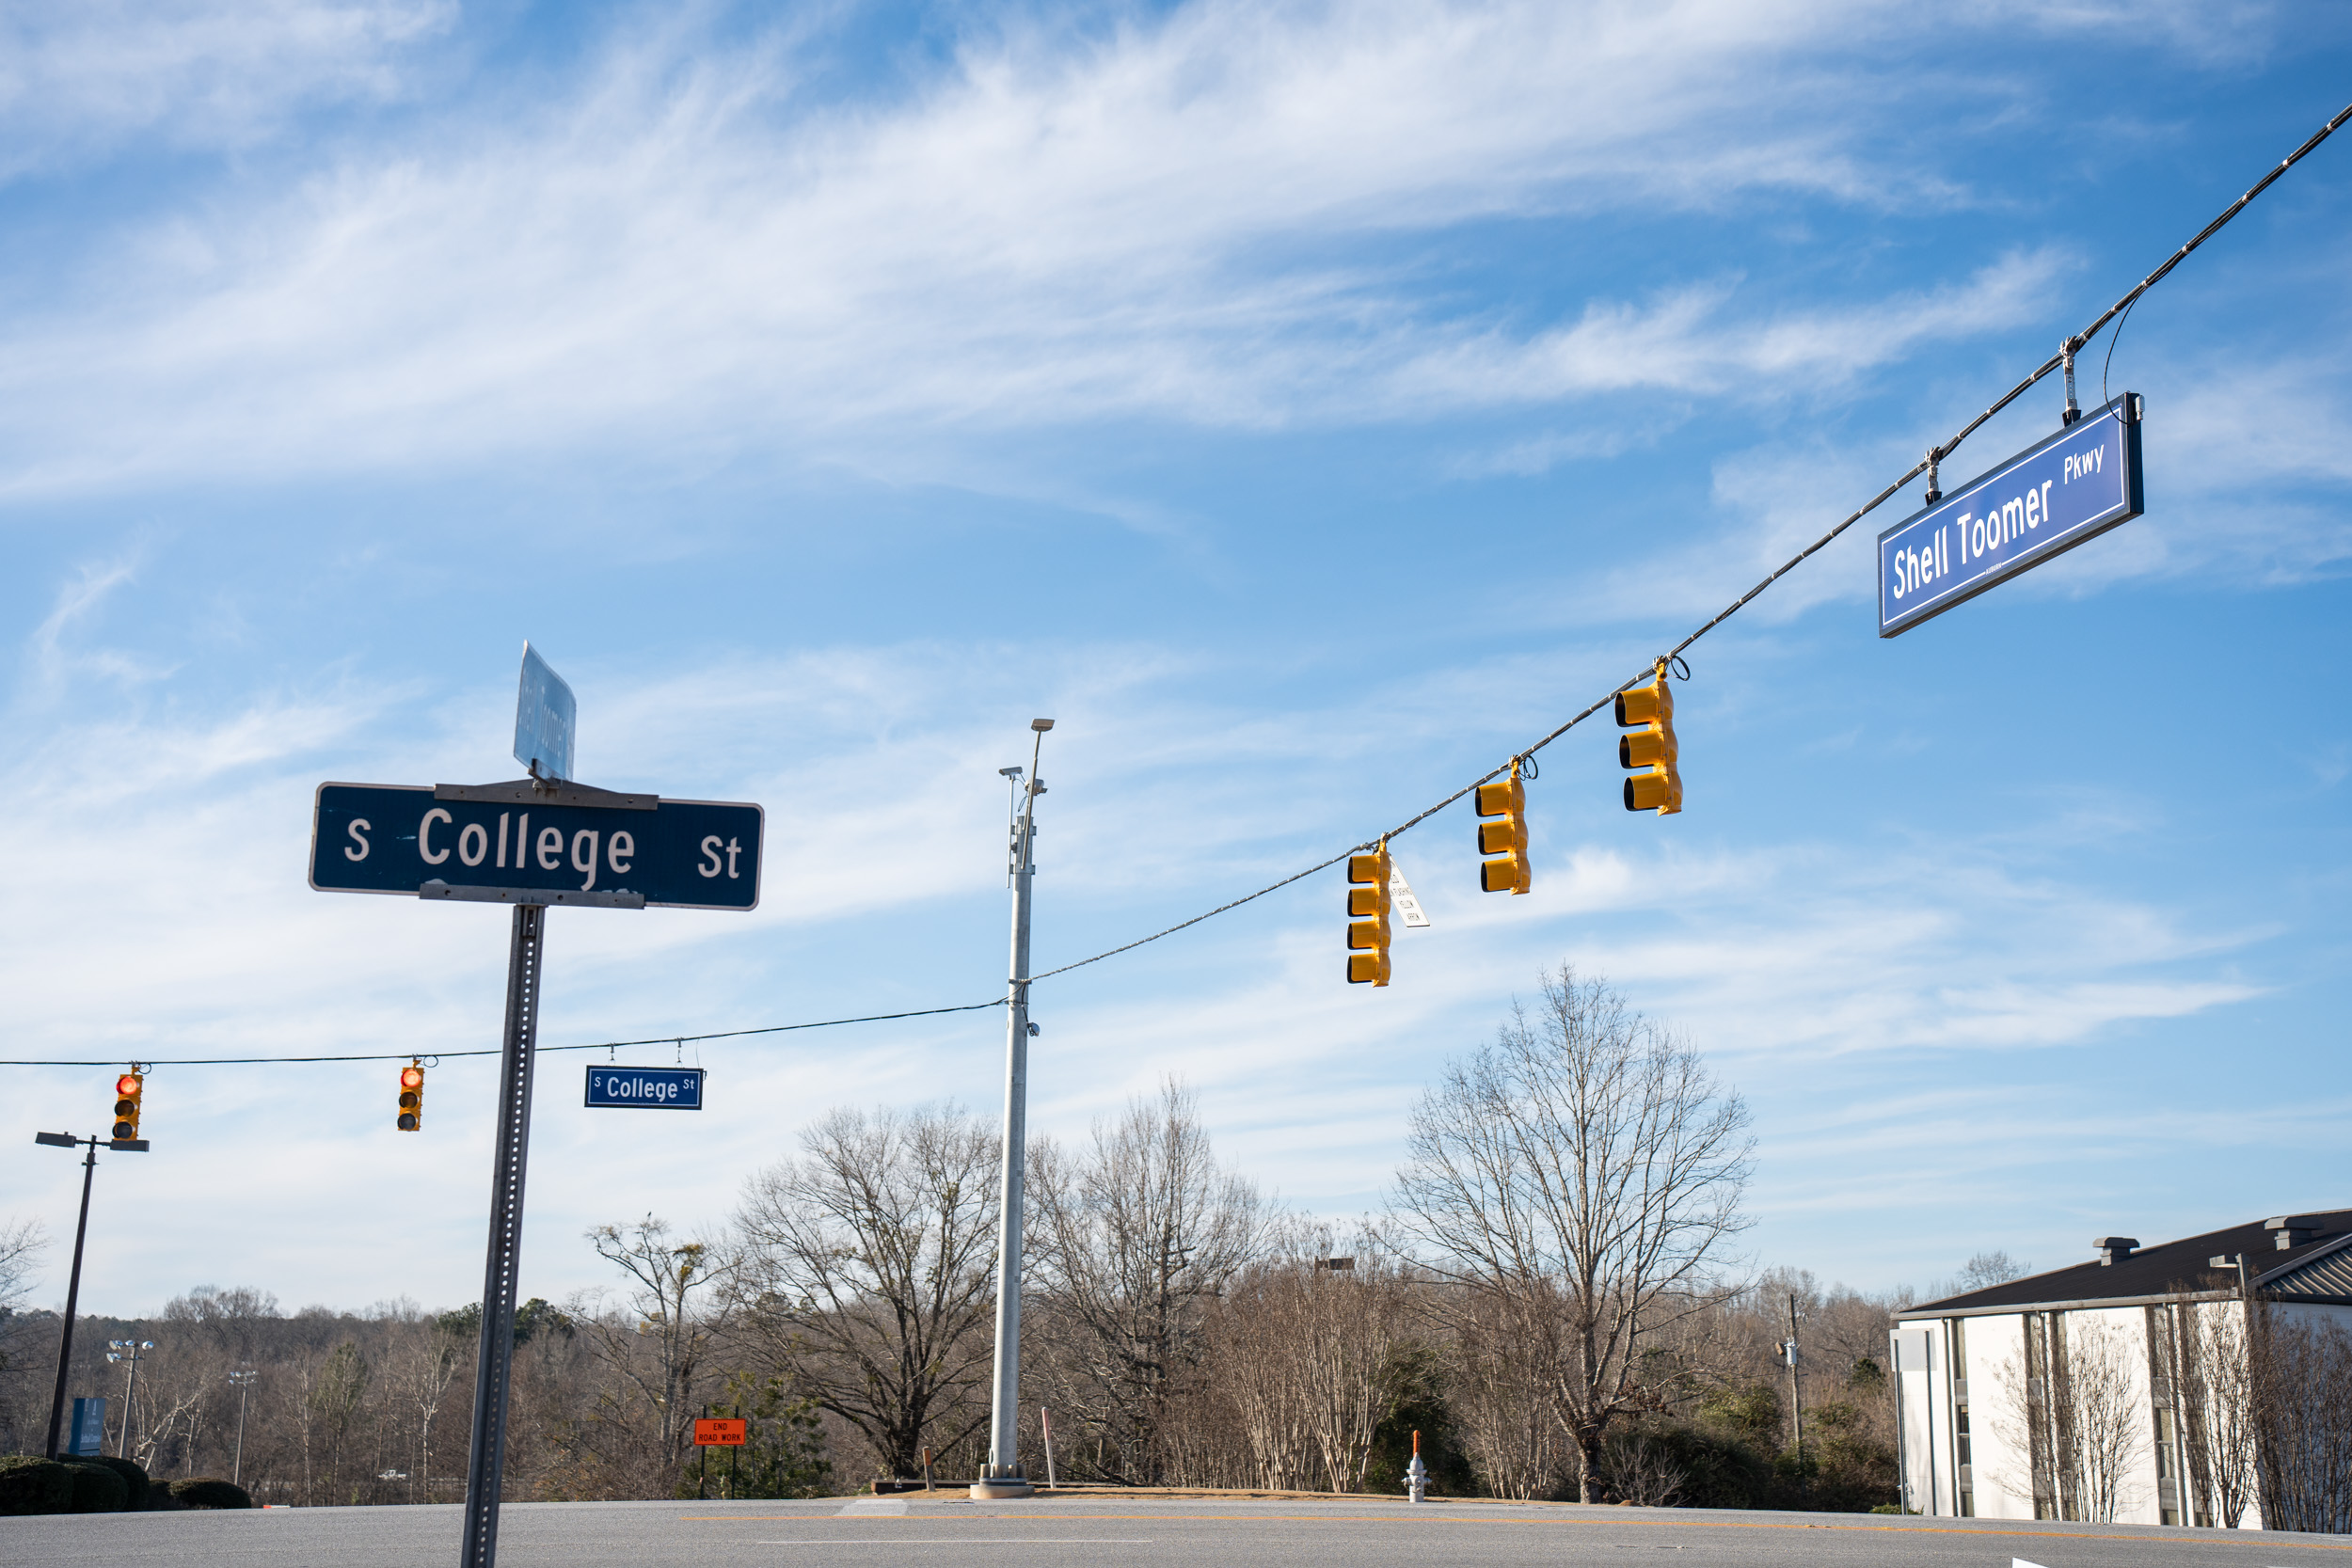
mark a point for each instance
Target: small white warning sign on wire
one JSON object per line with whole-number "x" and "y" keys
{"x": 1401, "y": 899}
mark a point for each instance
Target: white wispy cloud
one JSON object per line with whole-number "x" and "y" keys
{"x": 81, "y": 81}
{"x": 1182, "y": 218}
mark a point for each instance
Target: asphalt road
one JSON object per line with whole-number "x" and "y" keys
{"x": 1121, "y": 1533}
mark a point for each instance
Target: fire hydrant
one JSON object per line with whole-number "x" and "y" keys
{"x": 1417, "y": 1474}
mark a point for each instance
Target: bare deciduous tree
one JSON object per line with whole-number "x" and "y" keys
{"x": 868, "y": 1270}
{"x": 429, "y": 1364}
{"x": 1588, "y": 1158}
{"x": 1130, "y": 1238}
{"x": 2109, "y": 1421}
{"x": 2301, "y": 1368}
{"x": 657, "y": 1348}
{"x": 1984, "y": 1270}
{"x": 1311, "y": 1356}
{"x": 21, "y": 1244}
{"x": 2074, "y": 1408}
{"x": 1499, "y": 1389}
{"x": 2200, "y": 1361}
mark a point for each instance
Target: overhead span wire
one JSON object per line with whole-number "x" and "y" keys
{"x": 594, "y": 1045}
{"x": 1935, "y": 454}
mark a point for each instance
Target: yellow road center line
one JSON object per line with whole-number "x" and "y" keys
{"x": 1031, "y": 1519}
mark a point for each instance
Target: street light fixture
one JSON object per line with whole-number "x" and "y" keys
{"x": 131, "y": 1352}
{"x": 73, "y": 1280}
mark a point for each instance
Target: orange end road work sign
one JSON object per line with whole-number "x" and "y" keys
{"x": 718, "y": 1433}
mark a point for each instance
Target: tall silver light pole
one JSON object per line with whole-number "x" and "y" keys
{"x": 1001, "y": 1478}
{"x": 243, "y": 1377}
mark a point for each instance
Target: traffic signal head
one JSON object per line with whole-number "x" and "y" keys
{"x": 128, "y": 1090}
{"x": 1649, "y": 712}
{"x": 1505, "y": 801}
{"x": 1368, "y": 918}
{"x": 411, "y": 1097}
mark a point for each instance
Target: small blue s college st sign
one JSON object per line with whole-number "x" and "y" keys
{"x": 646, "y": 1089}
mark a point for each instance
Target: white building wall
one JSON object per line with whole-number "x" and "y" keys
{"x": 1988, "y": 1380}
{"x": 1997, "y": 1479}
{"x": 2001, "y": 1463}
{"x": 2136, "y": 1501}
{"x": 1917, "y": 1352}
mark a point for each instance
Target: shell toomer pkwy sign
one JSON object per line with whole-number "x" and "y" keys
{"x": 2057, "y": 493}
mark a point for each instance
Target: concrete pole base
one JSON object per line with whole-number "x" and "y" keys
{"x": 1001, "y": 1486}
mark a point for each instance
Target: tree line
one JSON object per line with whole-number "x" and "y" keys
{"x": 1552, "y": 1298}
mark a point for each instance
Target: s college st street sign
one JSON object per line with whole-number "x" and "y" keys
{"x": 527, "y": 843}
{"x": 644, "y": 1088}
{"x": 2042, "y": 502}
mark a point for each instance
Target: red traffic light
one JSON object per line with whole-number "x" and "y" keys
{"x": 411, "y": 1115}
{"x": 130, "y": 1088}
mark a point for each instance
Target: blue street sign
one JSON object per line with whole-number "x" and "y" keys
{"x": 520, "y": 843}
{"x": 88, "y": 1429}
{"x": 646, "y": 1089}
{"x": 2042, "y": 502}
{"x": 543, "y": 711}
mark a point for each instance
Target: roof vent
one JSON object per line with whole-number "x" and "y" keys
{"x": 2114, "y": 1249}
{"x": 2293, "y": 1230}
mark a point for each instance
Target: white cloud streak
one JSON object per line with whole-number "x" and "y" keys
{"x": 1181, "y": 220}
{"x": 80, "y": 81}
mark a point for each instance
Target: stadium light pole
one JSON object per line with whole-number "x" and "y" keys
{"x": 243, "y": 1377}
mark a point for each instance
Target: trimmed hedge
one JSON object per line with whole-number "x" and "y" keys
{"x": 134, "y": 1483}
{"x": 31, "y": 1484}
{"x": 209, "y": 1492}
{"x": 97, "y": 1489}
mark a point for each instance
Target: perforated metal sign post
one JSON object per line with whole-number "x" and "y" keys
{"x": 530, "y": 842}
{"x": 485, "y": 1467}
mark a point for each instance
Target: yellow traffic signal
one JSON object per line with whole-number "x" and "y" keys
{"x": 1505, "y": 800}
{"x": 1368, "y": 918}
{"x": 411, "y": 1096}
{"x": 1649, "y": 712}
{"x": 128, "y": 1090}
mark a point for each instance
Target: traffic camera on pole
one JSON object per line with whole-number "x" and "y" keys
{"x": 1505, "y": 801}
{"x": 412, "y": 1096}
{"x": 1649, "y": 712}
{"x": 128, "y": 1090}
{"x": 1368, "y": 918}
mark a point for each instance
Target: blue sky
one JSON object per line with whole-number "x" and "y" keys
{"x": 1307, "y": 407}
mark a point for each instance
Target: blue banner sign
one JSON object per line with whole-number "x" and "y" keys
{"x": 2042, "y": 502}
{"x": 88, "y": 1432}
{"x": 523, "y": 844}
{"x": 646, "y": 1089}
